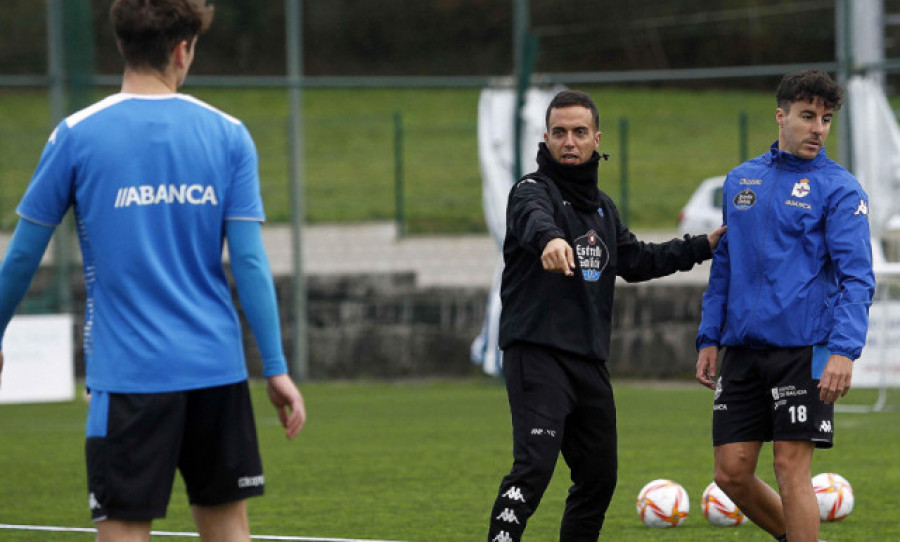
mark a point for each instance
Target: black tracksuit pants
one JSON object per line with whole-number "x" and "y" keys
{"x": 559, "y": 402}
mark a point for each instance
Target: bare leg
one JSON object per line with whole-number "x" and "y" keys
{"x": 223, "y": 523}
{"x": 735, "y": 474}
{"x": 112, "y": 530}
{"x": 792, "y": 470}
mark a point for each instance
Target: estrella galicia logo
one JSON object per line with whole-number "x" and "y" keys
{"x": 592, "y": 254}
{"x": 744, "y": 199}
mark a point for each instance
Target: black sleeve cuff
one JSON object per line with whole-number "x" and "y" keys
{"x": 700, "y": 247}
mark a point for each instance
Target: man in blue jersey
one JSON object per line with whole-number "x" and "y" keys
{"x": 158, "y": 182}
{"x": 789, "y": 292}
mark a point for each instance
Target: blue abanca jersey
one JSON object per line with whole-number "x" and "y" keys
{"x": 153, "y": 180}
{"x": 795, "y": 267}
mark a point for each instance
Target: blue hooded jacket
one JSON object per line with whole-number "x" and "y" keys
{"x": 795, "y": 267}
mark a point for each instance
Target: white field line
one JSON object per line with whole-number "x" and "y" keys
{"x": 186, "y": 534}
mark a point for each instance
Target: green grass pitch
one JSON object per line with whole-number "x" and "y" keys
{"x": 676, "y": 139}
{"x": 422, "y": 461}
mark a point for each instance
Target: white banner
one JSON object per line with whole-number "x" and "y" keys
{"x": 876, "y": 144}
{"x": 38, "y": 360}
{"x": 880, "y": 360}
{"x": 496, "y": 129}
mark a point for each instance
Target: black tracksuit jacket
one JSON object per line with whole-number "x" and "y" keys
{"x": 574, "y": 314}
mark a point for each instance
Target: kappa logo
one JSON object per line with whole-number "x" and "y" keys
{"x": 502, "y": 536}
{"x": 862, "y": 209}
{"x": 514, "y": 494}
{"x": 825, "y": 427}
{"x": 508, "y": 516}
{"x": 93, "y": 503}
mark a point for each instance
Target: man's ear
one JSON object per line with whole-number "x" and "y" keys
{"x": 179, "y": 54}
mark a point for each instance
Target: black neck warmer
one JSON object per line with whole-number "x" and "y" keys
{"x": 577, "y": 183}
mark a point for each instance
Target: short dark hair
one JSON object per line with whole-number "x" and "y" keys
{"x": 569, "y": 98}
{"x": 148, "y": 30}
{"x": 808, "y": 86}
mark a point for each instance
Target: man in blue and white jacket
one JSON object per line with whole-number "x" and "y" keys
{"x": 788, "y": 297}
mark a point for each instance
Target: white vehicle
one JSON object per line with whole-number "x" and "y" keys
{"x": 703, "y": 212}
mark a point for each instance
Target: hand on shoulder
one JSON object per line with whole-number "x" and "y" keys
{"x": 715, "y": 236}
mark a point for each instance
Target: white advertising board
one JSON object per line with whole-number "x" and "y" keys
{"x": 880, "y": 360}
{"x": 38, "y": 359}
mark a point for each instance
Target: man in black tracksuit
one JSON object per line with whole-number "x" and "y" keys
{"x": 565, "y": 244}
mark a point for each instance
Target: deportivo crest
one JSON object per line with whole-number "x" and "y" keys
{"x": 744, "y": 199}
{"x": 801, "y": 189}
{"x": 592, "y": 254}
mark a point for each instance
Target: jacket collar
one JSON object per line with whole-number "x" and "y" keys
{"x": 791, "y": 162}
{"x": 577, "y": 183}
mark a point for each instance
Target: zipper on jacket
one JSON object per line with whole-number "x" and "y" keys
{"x": 760, "y": 276}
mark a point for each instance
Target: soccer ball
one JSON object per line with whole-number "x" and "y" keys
{"x": 834, "y": 494}
{"x": 662, "y": 503}
{"x": 719, "y": 509}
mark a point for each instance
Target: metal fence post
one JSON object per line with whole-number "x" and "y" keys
{"x": 293, "y": 10}
{"x": 742, "y": 137}
{"x": 399, "y": 188}
{"x": 623, "y": 168}
{"x": 59, "y": 103}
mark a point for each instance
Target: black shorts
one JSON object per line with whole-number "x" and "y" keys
{"x": 135, "y": 441}
{"x": 770, "y": 394}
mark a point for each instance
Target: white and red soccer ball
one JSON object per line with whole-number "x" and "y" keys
{"x": 834, "y": 494}
{"x": 719, "y": 509}
{"x": 663, "y": 503}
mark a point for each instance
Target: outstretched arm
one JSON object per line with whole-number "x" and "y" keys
{"x": 558, "y": 257}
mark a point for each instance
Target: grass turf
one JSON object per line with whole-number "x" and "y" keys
{"x": 422, "y": 461}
